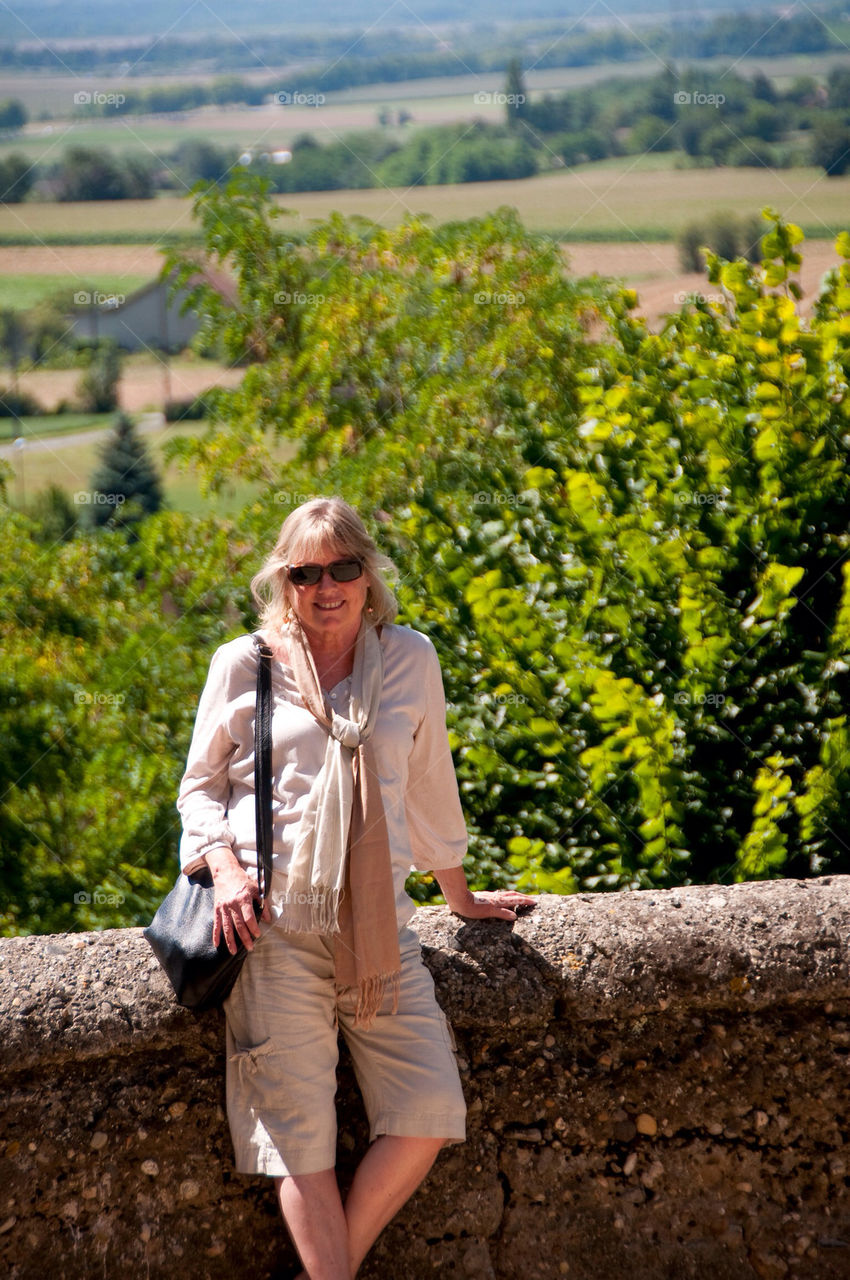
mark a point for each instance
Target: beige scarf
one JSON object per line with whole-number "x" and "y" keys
{"x": 340, "y": 876}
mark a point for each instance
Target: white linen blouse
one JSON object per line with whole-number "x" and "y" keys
{"x": 418, "y": 784}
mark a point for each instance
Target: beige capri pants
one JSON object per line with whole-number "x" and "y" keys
{"x": 282, "y": 1053}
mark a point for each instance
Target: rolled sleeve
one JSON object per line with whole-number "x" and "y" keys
{"x": 205, "y": 788}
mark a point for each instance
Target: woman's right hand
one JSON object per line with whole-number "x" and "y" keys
{"x": 235, "y": 895}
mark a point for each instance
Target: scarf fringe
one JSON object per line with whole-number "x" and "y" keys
{"x": 371, "y": 993}
{"x": 314, "y": 910}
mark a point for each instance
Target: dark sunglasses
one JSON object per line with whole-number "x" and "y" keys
{"x": 307, "y": 575}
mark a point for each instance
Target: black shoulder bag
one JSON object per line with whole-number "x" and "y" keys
{"x": 181, "y": 931}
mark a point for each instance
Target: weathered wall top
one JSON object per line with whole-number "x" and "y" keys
{"x": 633, "y": 1058}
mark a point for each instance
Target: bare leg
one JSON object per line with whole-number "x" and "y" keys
{"x": 331, "y": 1242}
{"x": 313, "y": 1213}
{"x": 386, "y": 1178}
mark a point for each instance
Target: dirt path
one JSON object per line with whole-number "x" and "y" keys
{"x": 146, "y": 425}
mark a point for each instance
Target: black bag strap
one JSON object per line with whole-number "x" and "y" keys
{"x": 263, "y": 768}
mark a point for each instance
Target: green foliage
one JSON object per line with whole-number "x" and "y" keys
{"x": 97, "y": 389}
{"x": 712, "y": 116}
{"x": 15, "y": 403}
{"x": 86, "y": 173}
{"x": 106, "y": 642}
{"x": 627, "y": 550}
{"x": 189, "y": 410}
{"x": 630, "y": 548}
{"x": 198, "y": 160}
{"x": 13, "y": 114}
{"x": 516, "y": 95}
{"x": 725, "y": 235}
{"x": 55, "y": 517}
{"x": 126, "y": 486}
{"x": 489, "y": 35}
{"x": 831, "y": 146}
{"x": 17, "y": 175}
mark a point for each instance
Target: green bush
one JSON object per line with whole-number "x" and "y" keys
{"x": 97, "y": 389}
{"x": 18, "y": 404}
{"x": 723, "y": 234}
{"x": 191, "y": 410}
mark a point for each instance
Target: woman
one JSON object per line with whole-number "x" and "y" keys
{"x": 363, "y": 790}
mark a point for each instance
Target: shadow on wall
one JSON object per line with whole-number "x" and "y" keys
{"x": 657, "y": 1085}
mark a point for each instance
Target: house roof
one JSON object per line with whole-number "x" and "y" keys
{"x": 224, "y": 284}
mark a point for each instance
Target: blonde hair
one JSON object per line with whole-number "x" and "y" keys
{"x": 304, "y": 531}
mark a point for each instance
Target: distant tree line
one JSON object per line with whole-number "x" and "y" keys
{"x": 393, "y": 56}
{"x": 713, "y": 117}
{"x": 708, "y": 118}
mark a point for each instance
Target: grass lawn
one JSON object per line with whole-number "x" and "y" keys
{"x": 54, "y": 424}
{"x": 72, "y": 463}
{"x": 20, "y": 292}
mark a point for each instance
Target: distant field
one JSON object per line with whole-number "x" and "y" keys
{"x": 71, "y": 465}
{"x": 20, "y": 292}
{"x": 431, "y": 101}
{"x": 96, "y": 221}
{"x": 147, "y": 381}
{"x": 619, "y": 200}
{"x": 31, "y": 273}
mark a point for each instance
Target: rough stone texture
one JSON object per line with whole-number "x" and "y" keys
{"x": 658, "y": 1086}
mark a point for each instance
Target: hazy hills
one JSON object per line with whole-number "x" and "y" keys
{"x": 62, "y": 20}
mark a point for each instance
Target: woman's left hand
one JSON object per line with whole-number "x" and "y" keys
{"x": 491, "y": 904}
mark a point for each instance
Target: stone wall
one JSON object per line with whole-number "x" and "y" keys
{"x": 658, "y": 1087}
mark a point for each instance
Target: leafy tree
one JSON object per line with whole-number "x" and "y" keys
{"x": 516, "y": 94}
{"x": 13, "y": 114}
{"x": 50, "y": 334}
{"x": 838, "y": 87}
{"x": 661, "y": 95}
{"x": 17, "y": 175}
{"x": 651, "y": 133}
{"x": 725, "y": 235}
{"x": 87, "y": 174}
{"x": 831, "y": 147}
{"x": 198, "y": 160}
{"x": 126, "y": 485}
{"x": 764, "y": 88}
{"x": 97, "y": 389}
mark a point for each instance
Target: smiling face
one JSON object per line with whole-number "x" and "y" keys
{"x": 330, "y": 612}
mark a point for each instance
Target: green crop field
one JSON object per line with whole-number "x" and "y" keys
{"x": 627, "y": 199}
{"x": 20, "y": 292}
